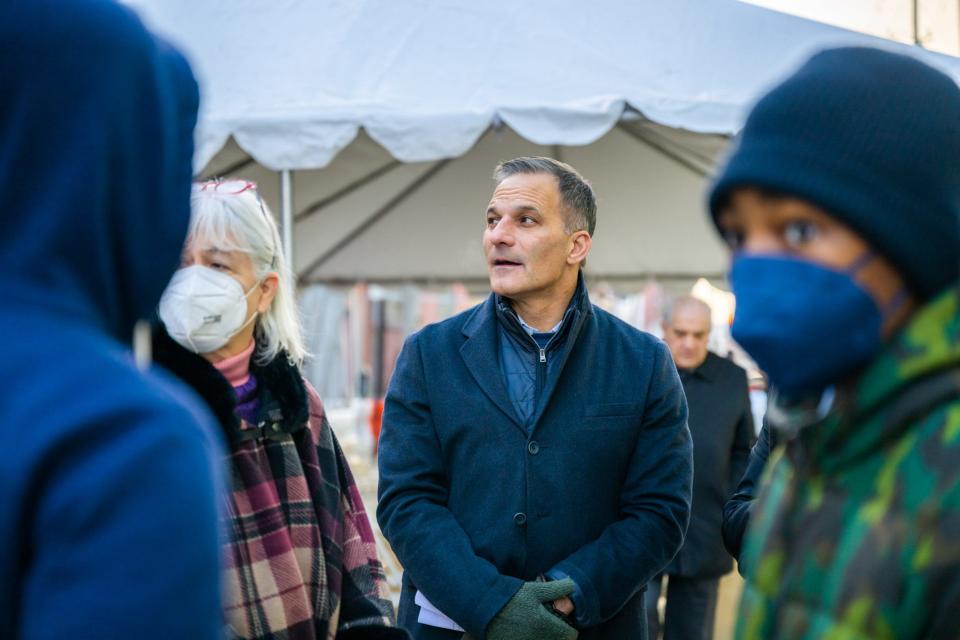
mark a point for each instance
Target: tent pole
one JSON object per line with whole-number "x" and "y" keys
{"x": 286, "y": 214}
{"x": 916, "y": 23}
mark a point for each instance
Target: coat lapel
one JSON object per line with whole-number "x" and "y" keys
{"x": 480, "y": 354}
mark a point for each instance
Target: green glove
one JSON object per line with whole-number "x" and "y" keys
{"x": 525, "y": 617}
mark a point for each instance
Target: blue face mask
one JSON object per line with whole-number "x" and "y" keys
{"x": 807, "y": 326}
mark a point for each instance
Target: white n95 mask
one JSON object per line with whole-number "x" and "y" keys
{"x": 203, "y": 308}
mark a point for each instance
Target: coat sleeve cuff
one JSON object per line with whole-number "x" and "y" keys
{"x": 576, "y": 596}
{"x": 489, "y": 605}
{"x": 586, "y": 602}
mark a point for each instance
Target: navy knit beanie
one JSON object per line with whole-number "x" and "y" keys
{"x": 873, "y": 138}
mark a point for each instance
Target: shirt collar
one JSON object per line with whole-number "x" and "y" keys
{"x": 530, "y": 330}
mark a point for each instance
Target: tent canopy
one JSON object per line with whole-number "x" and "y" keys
{"x": 370, "y": 101}
{"x": 293, "y": 80}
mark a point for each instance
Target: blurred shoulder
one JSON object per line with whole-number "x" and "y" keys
{"x": 726, "y": 368}
{"x": 94, "y": 388}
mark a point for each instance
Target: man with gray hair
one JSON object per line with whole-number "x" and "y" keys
{"x": 721, "y": 424}
{"x": 535, "y": 461}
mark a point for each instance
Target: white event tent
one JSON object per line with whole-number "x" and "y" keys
{"x": 374, "y": 125}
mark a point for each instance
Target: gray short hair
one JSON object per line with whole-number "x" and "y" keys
{"x": 683, "y": 302}
{"x": 576, "y": 194}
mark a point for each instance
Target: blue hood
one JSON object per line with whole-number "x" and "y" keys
{"x": 88, "y": 136}
{"x": 109, "y": 476}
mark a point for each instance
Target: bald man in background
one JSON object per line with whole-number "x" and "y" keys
{"x": 721, "y": 424}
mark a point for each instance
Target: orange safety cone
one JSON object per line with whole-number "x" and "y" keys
{"x": 376, "y": 419}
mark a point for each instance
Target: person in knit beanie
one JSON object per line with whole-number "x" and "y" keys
{"x": 840, "y": 203}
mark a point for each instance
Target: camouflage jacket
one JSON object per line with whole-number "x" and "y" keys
{"x": 856, "y": 532}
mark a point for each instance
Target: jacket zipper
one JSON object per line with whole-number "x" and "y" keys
{"x": 541, "y": 373}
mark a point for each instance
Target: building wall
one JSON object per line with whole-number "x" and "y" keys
{"x": 938, "y": 23}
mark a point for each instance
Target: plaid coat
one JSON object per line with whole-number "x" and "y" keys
{"x": 300, "y": 558}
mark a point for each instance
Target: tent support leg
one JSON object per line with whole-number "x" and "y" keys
{"x": 286, "y": 211}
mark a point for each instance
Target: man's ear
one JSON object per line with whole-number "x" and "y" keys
{"x": 580, "y": 248}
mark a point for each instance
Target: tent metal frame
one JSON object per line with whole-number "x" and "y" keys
{"x": 374, "y": 218}
{"x": 343, "y": 192}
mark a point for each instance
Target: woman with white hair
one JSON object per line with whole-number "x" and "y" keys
{"x": 299, "y": 558}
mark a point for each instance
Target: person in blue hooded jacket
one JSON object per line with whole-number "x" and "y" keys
{"x": 109, "y": 485}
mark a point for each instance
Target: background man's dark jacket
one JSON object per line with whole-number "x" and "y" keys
{"x": 721, "y": 425}
{"x": 736, "y": 513}
{"x": 597, "y": 486}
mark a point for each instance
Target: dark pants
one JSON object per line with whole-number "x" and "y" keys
{"x": 691, "y": 605}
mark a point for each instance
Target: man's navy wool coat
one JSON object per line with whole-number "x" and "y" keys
{"x": 596, "y": 486}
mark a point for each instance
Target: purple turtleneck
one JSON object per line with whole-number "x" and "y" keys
{"x": 236, "y": 369}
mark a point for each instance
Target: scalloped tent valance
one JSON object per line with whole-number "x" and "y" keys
{"x": 368, "y": 101}
{"x": 293, "y": 81}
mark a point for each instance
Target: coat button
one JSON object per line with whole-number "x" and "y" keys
{"x": 520, "y": 519}
{"x": 533, "y": 447}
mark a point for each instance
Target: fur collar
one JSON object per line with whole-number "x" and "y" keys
{"x": 284, "y": 405}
